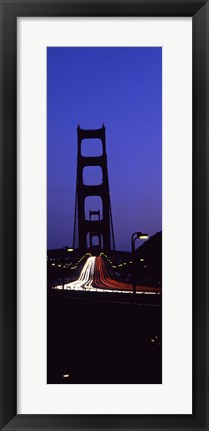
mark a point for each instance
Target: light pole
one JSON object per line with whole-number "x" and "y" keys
{"x": 134, "y": 237}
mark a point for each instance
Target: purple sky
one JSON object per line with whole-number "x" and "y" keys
{"x": 122, "y": 88}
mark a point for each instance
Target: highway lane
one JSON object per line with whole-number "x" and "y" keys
{"x": 103, "y": 280}
{"x": 85, "y": 279}
{"x": 94, "y": 276}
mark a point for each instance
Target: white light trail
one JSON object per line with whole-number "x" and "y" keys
{"x": 85, "y": 279}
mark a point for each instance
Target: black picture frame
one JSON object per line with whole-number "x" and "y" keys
{"x": 199, "y": 11}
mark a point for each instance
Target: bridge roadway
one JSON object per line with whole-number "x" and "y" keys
{"x": 94, "y": 276}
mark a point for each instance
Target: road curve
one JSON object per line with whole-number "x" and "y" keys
{"x": 94, "y": 276}
{"x": 103, "y": 280}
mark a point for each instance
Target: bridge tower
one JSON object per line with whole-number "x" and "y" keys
{"x": 88, "y": 227}
{"x": 95, "y": 234}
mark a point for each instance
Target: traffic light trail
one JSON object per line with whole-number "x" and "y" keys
{"x": 94, "y": 276}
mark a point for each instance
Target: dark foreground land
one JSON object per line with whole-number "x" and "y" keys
{"x": 96, "y": 339}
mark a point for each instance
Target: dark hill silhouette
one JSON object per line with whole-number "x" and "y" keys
{"x": 151, "y": 252}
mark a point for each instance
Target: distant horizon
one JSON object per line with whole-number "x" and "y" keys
{"x": 122, "y": 89}
{"x": 117, "y": 251}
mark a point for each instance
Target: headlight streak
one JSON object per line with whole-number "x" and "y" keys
{"x": 86, "y": 276}
{"x": 84, "y": 281}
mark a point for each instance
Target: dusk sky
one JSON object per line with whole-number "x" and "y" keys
{"x": 122, "y": 88}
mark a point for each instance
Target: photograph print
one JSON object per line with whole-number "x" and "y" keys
{"x": 104, "y": 215}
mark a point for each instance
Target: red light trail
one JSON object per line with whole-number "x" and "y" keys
{"x": 103, "y": 280}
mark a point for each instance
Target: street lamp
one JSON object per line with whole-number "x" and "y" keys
{"x": 134, "y": 237}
